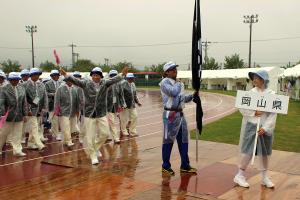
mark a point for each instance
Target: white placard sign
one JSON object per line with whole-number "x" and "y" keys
{"x": 262, "y": 102}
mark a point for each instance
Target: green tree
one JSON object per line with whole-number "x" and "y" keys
{"x": 48, "y": 66}
{"x": 10, "y": 66}
{"x": 83, "y": 65}
{"x": 158, "y": 68}
{"x": 105, "y": 68}
{"x": 211, "y": 64}
{"x": 120, "y": 65}
{"x": 234, "y": 62}
{"x": 147, "y": 69}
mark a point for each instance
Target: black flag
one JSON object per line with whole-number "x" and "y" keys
{"x": 197, "y": 63}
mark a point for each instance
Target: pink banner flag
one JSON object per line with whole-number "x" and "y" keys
{"x": 56, "y": 57}
{"x": 57, "y": 111}
{"x": 120, "y": 109}
{"x": 3, "y": 119}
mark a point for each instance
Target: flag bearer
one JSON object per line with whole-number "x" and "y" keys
{"x": 130, "y": 113}
{"x": 51, "y": 87}
{"x": 14, "y": 104}
{"x": 115, "y": 102}
{"x": 95, "y": 94}
{"x": 37, "y": 100}
{"x": 175, "y": 125}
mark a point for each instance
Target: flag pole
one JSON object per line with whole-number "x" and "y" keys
{"x": 197, "y": 132}
{"x": 197, "y": 69}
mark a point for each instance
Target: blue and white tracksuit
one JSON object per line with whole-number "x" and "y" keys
{"x": 175, "y": 125}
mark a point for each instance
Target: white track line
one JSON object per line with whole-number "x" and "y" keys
{"x": 42, "y": 157}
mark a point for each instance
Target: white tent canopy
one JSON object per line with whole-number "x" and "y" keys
{"x": 292, "y": 72}
{"x": 226, "y": 73}
{"x": 233, "y": 77}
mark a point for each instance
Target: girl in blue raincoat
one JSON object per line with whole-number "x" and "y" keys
{"x": 265, "y": 138}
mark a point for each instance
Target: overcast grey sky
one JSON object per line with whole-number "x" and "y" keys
{"x": 138, "y": 22}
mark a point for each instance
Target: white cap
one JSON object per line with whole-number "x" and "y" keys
{"x": 2, "y": 74}
{"x": 54, "y": 72}
{"x": 76, "y": 74}
{"x": 35, "y": 71}
{"x": 13, "y": 76}
{"x": 45, "y": 79}
{"x": 25, "y": 72}
{"x": 97, "y": 69}
{"x": 169, "y": 65}
{"x": 111, "y": 72}
{"x": 130, "y": 75}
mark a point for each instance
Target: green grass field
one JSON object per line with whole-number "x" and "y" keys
{"x": 227, "y": 130}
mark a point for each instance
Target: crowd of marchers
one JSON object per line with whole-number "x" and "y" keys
{"x": 95, "y": 108}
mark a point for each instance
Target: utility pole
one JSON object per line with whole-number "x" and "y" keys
{"x": 205, "y": 46}
{"x": 250, "y": 19}
{"x": 106, "y": 60}
{"x": 76, "y": 55}
{"x": 72, "y": 46}
{"x": 31, "y": 29}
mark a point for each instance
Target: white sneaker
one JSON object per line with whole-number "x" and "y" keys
{"x": 43, "y": 139}
{"x": 99, "y": 154}
{"x": 241, "y": 181}
{"x": 117, "y": 141}
{"x": 59, "y": 137}
{"x": 133, "y": 135}
{"x": 41, "y": 148}
{"x": 69, "y": 144}
{"x": 95, "y": 161}
{"x": 20, "y": 154}
{"x": 125, "y": 133}
{"x": 80, "y": 140}
{"x": 23, "y": 141}
{"x": 267, "y": 182}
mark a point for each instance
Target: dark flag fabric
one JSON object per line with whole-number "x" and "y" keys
{"x": 197, "y": 63}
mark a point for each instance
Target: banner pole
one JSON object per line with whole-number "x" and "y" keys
{"x": 255, "y": 141}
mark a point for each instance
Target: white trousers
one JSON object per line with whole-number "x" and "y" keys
{"x": 82, "y": 128}
{"x": 95, "y": 140}
{"x": 74, "y": 124}
{"x": 54, "y": 124}
{"x": 126, "y": 116}
{"x": 113, "y": 122}
{"x": 34, "y": 135}
{"x": 14, "y": 129}
{"x": 41, "y": 128}
{"x": 65, "y": 124}
{"x": 24, "y": 129}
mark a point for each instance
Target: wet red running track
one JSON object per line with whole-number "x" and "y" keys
{"x": 126, "y": 171}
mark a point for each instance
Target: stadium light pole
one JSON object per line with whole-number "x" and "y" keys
{"x": 31, "y": 29}
{"x": 250, "y": 19}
